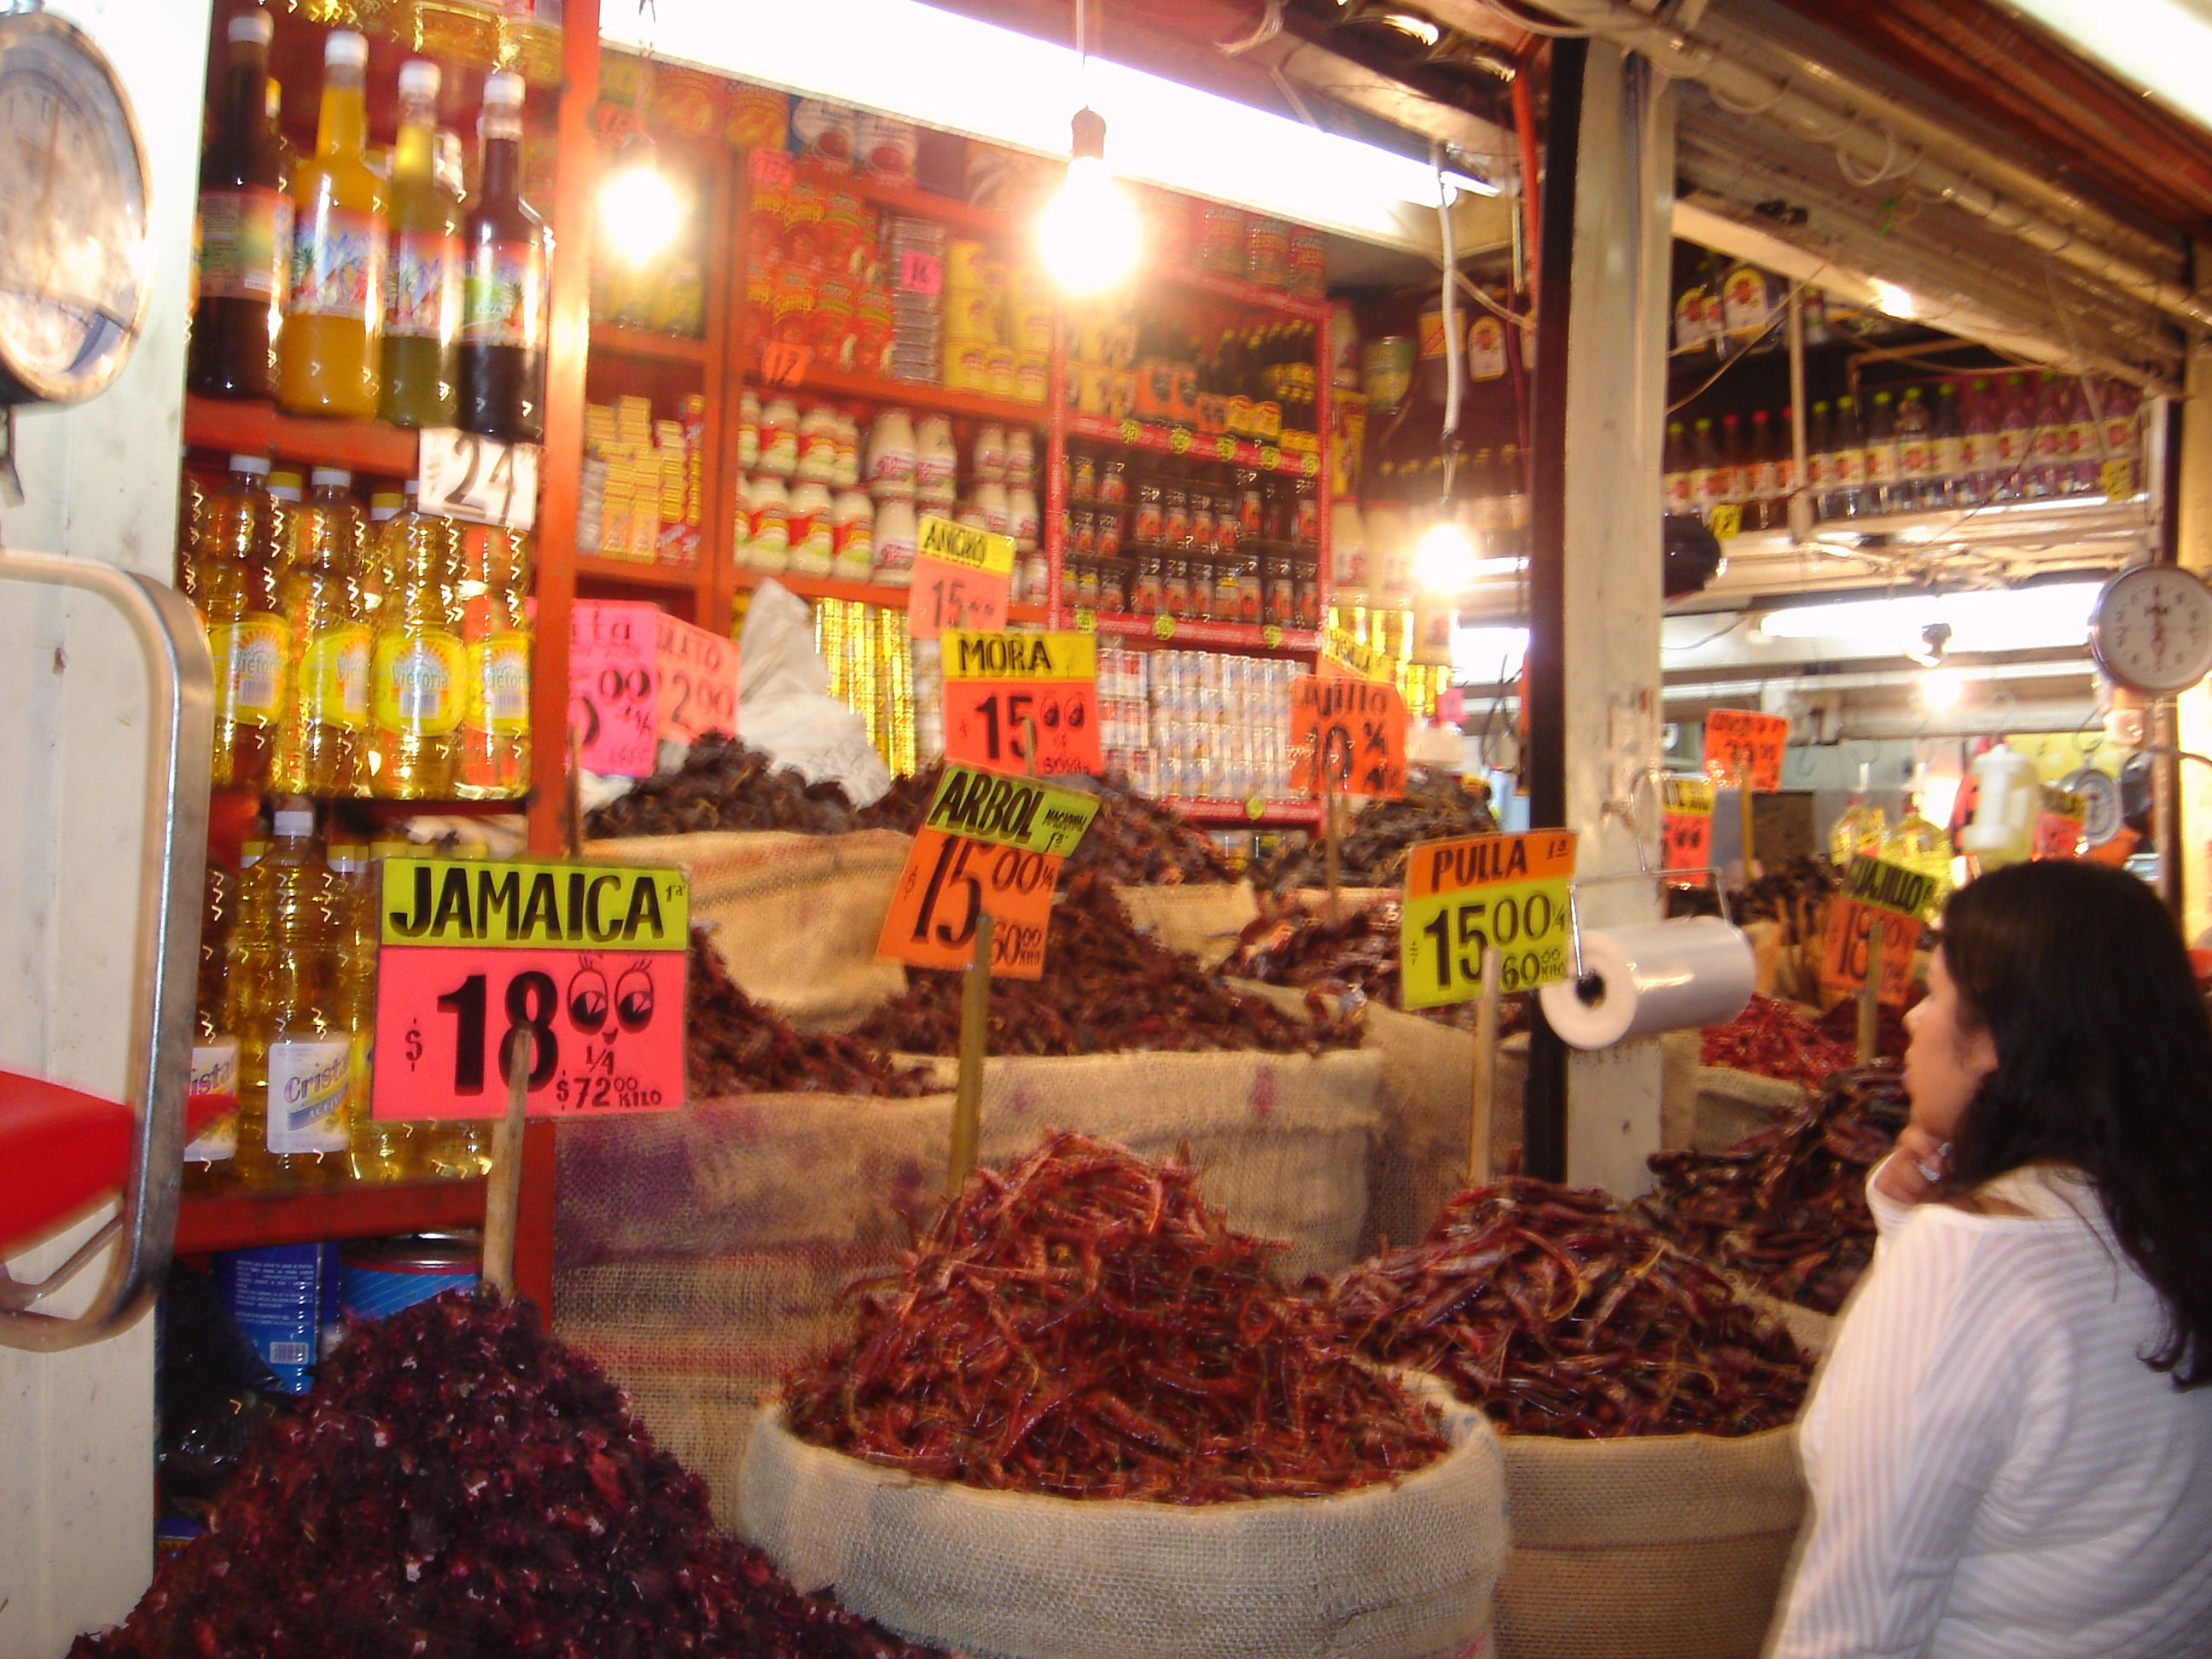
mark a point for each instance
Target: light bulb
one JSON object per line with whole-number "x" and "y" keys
{"x": 1087, "y": 232}
{"x": 1443, "y": 559}
{"x": 640, "y": 210}
{"x": 1941, "y": 688}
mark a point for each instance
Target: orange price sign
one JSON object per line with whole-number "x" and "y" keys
{"x": 2058, "y": 834}
{"x": 1875, "y": 888}
{"x": 1739, "y": 741}
{"x": 961, "y": 579}
{"x": 950, "y": 880}
{"x": 1021, "y": 702}
{"x": 921, "y": 273}
{"x": 1686, "y": 824}
{"x": 783, "y": 363}
{"x": 1350, "y": 733}
{"x": 698, "y": 674}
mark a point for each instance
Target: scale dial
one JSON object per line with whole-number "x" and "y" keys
{"x": 74, "y": 241}
{"x": 2152, "y": 628}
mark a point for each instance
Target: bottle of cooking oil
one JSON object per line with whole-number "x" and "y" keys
{"x": 286, "y": 492}
{"x": 208, "y": 1154}
{"x": 494, "y": 591}
{"x": 294, "y": 1058}
{"x": 460, "y": 1148}
{"x": 386, "y": 1151}
{"x": 323, "y": 749}
{"x": 1920, "y": 845}
{"x": 1861, "y": 828}
{"x": 384, "y": 507}
{"x": 235, "y": 561}
{"x": 419, "y": 682}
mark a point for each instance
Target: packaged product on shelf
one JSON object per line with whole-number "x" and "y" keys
{"x": 884, "y": 147}
{"x": 822, "y": 134}
{"x": 379, "y": 1150}
{"x": 500, "y": 371}
{"x": 758, "y": 118}
{"x": 852, "y": 521}
{"x": 329, "y": 352}
{"x": 322, "y": 742}
{"x": 769, "y": 546}
{"x": 245, "y": 242}
{"x": 496, "y": 632}
{"x": 240, "y": 603}
{"x": 779, "y": 441}
{"x": 421, "y": 293}
{"x": 811, "y": 533}
{"x": 418, "y": 666}
{"x": 897, "y": 534}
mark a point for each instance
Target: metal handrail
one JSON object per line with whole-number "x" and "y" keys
{"x": 172, "y": 859}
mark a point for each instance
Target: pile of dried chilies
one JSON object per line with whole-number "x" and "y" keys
{"x": 1357, "y": 953}
{"x": 1107, "y": 985}
{"x": 460, "y": 1485}
{"x": 735, "y": 1046}
{"x": 1772, "y": 1039}
{"x": 1082, "y": 1326}
{"x": 1549, "y": 1308}
{"x": 725, "y": 784}
{"x": 1786, "y": 1207}
{"x": 1372, "y": 852}
{"x": 1133, "y": 840}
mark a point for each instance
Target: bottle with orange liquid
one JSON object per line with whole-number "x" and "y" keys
{"x": 329, "y": 354}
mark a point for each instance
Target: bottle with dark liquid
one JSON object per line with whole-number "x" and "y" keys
{"x": 501, "y": 372}
{"x": 245, "y": 230}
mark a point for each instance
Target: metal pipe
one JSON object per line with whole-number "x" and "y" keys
{"x": 1875, "y": 150}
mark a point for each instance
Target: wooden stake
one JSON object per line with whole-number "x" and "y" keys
{"x": 974, "y": 1038}
{"x": 1743, "y": 804}
{"x": 1332, "y": 851}
{"x": 503, "y": 1186}
{"x": 1870, "y": 993}
{"x": 1484, "y": 1106}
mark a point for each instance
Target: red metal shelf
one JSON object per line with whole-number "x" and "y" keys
{"x": 257, "y": 429}
{"x": 638, "y": 574}
{"x": 234, "y": 1221}
{"x": 1242, "y": 292}
{"x": 913, "y": 394}
{"x": 902, "y": 198}
{"x": 1162, "y": 438}
{"x": 1207, "y": 810}
{"x": 643, "y": 342}
{"x": 1181, "y": 631}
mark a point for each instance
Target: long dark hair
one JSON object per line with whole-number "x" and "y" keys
{"x": 2103, "y": 1062}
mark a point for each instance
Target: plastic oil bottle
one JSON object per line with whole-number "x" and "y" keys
{"x": 323, "y": 749}
{"x": 422, "y": 292}
{"x": 235, "y": 578}
{"x": 419, "y": 670}
{"x": 329, "y": 354}
{"x": 208, "y": 1154}
{"x": 1919, "y": 844}
{"x": 390, "y": 1149}
{"x": 295, "y": 1058}
{"x": 1861, "y": 827}
{"x": 495, "y": 628}
{"x": 384, "y": 507}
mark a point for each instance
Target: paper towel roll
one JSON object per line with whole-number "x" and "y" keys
{"x": 1696, "y": 971}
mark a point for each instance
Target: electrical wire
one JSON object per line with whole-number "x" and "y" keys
{"x": 1270, "y": 26}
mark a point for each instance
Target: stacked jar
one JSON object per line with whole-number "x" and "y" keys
{"x": 799, "y": 508}
{"x": 1124, "y": 724}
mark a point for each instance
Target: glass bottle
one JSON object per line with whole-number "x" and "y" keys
{"x": 1847, "y": 497}
{"x": 1946, "y": 484}
{"x": 245, "y": 230}
{"x": 328, "y": 355}
{"x": 1819, "y": 458}
{"x": 1705, "y": 468}
{"x": 322, "y": 747}
{"x": 2046, "y": 470}
{"x": 418, "y": 670}
{"x": 422, "y": 279}
{"x": 208, "y": 1154}
{"x": 501, "y": 370}
{"x": 294, "y": 1058}
{"x": 1916, "y": 436}
{"x": 236, "y": 563}
{"x": 1861, "y": 828}
{"x": 2015, "y": 441}
{"x": 1882, "y": 492}
{"x": 1978, "y": 448}
{"x": 495, "y": 631}
{"x": 1675, "y": 468}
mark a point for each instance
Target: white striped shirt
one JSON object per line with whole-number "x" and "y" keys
{"x": 1995, "y": 1473}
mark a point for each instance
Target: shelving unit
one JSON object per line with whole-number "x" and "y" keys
{"x": 234, "y": 1221}
{"x": 369, "y": 448}
{"x": 910, "y": 394}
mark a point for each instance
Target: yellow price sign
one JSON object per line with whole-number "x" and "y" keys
{"x": 1086, "y": 622}
{"x": 1272, "y": 636}
{"x": 1163, "y": 626}
{"x": 1132, "y": 433}
{"x": 1726, "y": 521}
{"x": 1270, "y": 457}
{"x": 1179, "y": 441}
{"x": 1465, "y": 895}
{"x": 2116, "y": 480}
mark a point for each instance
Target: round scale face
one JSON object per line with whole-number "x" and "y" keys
{"x": 2152, "y": 630}
{"x": 2101, "y": 803}
{"x": 73, "y": 231}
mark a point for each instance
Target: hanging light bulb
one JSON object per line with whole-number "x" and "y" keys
{"x": 641, "y": 209}
{"x": 1087, "y": 232}
{"x": 1443, "y": 559}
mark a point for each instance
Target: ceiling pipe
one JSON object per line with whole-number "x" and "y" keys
{"x": 1873, "y": 149}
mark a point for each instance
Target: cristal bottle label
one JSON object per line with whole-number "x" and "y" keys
{"x": 337, "y": 267}
{"x": 249, "y": 658}
{"x": 420, "y": 679}
{"x": 334, "y": 678}
{"x": 215, "y": 1078}
{"x": 308, "y": 1082}
{"x": 246, "y": 238}
{"x": 421, "y": 283}
{"x": 503, "y": 294}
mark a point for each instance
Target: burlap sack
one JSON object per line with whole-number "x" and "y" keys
{"x": 1732, "y": 1104}
{"x": 1668, "y": 1546}
{"x": 1202, "y": 918}
{"x": 1812, "y": 1330}
{"x": 798, "y": 916}
{"x": 1389, "y": 1573}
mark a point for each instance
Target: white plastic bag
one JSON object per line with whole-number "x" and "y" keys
{"x": 784, "y": 704}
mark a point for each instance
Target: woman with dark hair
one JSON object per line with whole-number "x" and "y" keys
{"x": 2009, "y": 1448}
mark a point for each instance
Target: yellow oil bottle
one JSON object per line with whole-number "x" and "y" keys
{"x": 209, "y": 1154}
{"x": 385, "y": 1151}
{"x": 234, "y": 575}
{"x": 419, "y": 670}
{"x": 495, "y": 628}
{"x": 322, "y": 747}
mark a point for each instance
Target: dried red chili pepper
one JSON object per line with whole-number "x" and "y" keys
{"x": 1557, "y": 1315}
{"x": 723, "y": 784}
{"x": 1133, "y": 840}
{"x": 1355, "y": 957}
{"x": 1082, "y": 1325}
{"x": 735, "y": 1046}
{"x": 1372, "y": 851}
{"x": 1772, "y": 1039}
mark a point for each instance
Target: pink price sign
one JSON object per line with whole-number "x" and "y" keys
{"x": 698, "y": 675}
{"x": 614, "y": 686}
{"x": 584, "y": 962}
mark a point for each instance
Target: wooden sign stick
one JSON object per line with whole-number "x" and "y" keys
{"x": 1332, "y": 848}
{"x": 1870, "y": 993}
{"x": 974, "y": 1038}
{"x": 503, "y": 1185}
{"x": 1483, "y": 1105}
{"x": 1743, "y": 804}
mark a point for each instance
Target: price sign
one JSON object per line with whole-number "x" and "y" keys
{"x": 961, "y": 577}
{"x": 1272, "y": 636}
{"x": 1465, "y": 895}
{"x": 1344, "y": 655}
{"x": 1163, "y": 627}
{"x": 2116, "y": 480}
{"x": 783, "y": 363}
{"x": 771, "y": 168}
{"x": 1350, "y": 734}
{"x": 460, "y": 475}
{"x": 1003, "y": 691}
{"x": 1738, "y": 741}
{"x": 614, "y": 686}
{"x": 921, "y": 273}
{"x": 1726, "y": 521}
{"x": 1871, "y": 888}
{"x": 698, "y": 673}
{"x": 588, "y": 959}
{"x": 988, "y": 844}
{"x": 1685, "y": 820}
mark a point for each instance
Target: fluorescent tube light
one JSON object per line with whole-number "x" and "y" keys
{"x": 1993, "y": 619}
{"x": 2163, "y": 45}
{"x": 944, "y": 71}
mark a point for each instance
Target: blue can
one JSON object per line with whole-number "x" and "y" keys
{"x": 378, "y": 1277}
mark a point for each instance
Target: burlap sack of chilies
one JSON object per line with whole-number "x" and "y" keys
{"x": 1386, "y": 1572}
{"x": 1732, "y": 1104}
{"x": 795, "y": 917}
{"x": 1662, "y": 1546}
{"x": 1201, "y": 918}
{"x": 701, "y": 1253}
